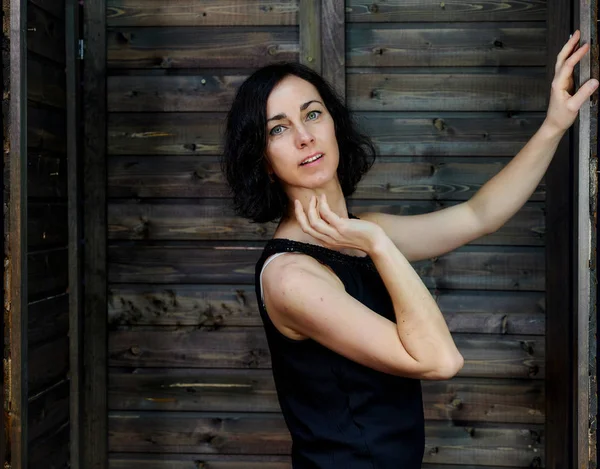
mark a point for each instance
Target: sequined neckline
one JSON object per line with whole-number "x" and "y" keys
{"x": 299, "y": 246}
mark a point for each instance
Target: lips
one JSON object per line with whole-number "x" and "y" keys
{"x": 311, "y": 159}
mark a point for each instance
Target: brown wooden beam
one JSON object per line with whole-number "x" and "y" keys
{"x": 333, "y": 44}
{"x": 95, "y": 435}
{"x": 310, "y": 34}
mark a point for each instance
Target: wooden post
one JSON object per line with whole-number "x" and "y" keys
{"x": 559, "y": 269}
{"x": 74, "y": 216}
{"x": 17, "y": 235}
{"x": 310, "y": 34}
{"x": 333, "y": 43}
{"x": 95, "y": 433}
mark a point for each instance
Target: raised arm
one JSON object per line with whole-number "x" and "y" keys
{"x": 306, "y": 300}
{"x": 433, "y": 234}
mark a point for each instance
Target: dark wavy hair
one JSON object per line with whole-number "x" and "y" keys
{"x": 254, "y": 195}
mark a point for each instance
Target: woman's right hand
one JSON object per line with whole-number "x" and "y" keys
{"x": 335, "y": 232}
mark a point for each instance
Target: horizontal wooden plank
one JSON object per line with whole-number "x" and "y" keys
{"x": 46, "y": 36}
{"x": 46, "y": 225}
{"x": 47, "y": 273}
{"x": 205, "y": 13}
{"x": 48, "y": 364}
{"x": 187, "y": 47}
{"x": 428, "y": 134}
{"x": 48, "y": 411}
{"x": 240, "y": 434}
{"x": 214, "y": 461}
{"x": 46, "y": 129}
{"x": 449, "y": 10}
{"x": 216, "y": 306}
{"x": 432, "y": 178}
{"x": 511, "y": 90}
{"x": 46, "y": 83}
{"x": 447, "y": 92}
{"x": 48, "y": 319}
{"x": 51, "y": 452}
{"x": 56, "y": 7}
{"x": 185, "y": 347}
{"x": 46, "y": 175}
{"x": 449, "y": 45}
{"x": 478, "y": 268}
{"x": 458, "y": 400}
{"x": 169, "y": 220}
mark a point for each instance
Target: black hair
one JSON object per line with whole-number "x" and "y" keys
{"x": 254, "y": 195}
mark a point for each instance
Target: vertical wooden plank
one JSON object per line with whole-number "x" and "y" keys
{"x": 310, "y": 34}
{"x": 587, "y": 186}
{"x": 95, "y": 418}
{"x": 333, "y": 44}
{"x": 74, "y": 216}
{"x": 17, "y": 244}
{"x": 559, "y": 270}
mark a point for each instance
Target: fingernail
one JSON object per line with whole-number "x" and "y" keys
{"x": 594, "y": 83}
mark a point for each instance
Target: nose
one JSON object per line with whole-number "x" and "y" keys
{"x": 303, "y": 137}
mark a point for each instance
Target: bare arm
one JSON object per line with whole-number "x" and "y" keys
{"x": 304, "y": 299}
{"x": 433, "y": 234}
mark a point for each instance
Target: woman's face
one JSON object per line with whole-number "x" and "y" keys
{"x": 301, "y": 149}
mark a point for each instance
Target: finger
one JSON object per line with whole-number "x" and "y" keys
{"x": 567, "y": 49}
{"x": 562, "y": 78}
{"x": 326, "y": 213}
{"x": 317, "y": 222}
{"x": 583, "y": 94}
{"x": 305, "y": 225}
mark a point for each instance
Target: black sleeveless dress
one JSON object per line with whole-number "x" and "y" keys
{"x": 341, "y": 414}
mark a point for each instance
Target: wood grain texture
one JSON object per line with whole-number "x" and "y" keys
{"x": 48, "y": 364}
{"x": 485, "y": 355}
{"x": 459, "y": 400}
{"x": 450, "y": 45}
{"x": 49, "y": 410}
{"x": 48, "y": 319}
{"x": 474, "y": 267}
{"x": 217, "y": 306}
{"x": 236, "y": 434}
{"x": 46, "y": 129}
{"x": 402, "y": 134}
{"x": 333, "y": 44}
{"x": 55, "y": 7}
{"x": 200, "y": 47}
{"x": 47, "y": 225}
{"x": 368, "y": 89}
{"x": 447, "y": 92}
{"x": 205, "y": 13}
{"x": 48, "y": 38}
{"x": 47, "y": 273}
{"x": 310, "y": 34}
{"x": 51, "y": 451}
{"x": 46, "y": 83}
{"x": 47, "y": 175}
{"x": 410, "y": 11}
{"x": 215, "y": 220}
{"x": 390, "y": 178}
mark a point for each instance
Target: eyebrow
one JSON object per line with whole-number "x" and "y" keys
{"x": 302, "y": 108}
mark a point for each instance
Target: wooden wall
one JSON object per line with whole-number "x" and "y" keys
{"x": 448, "y": 90}
{"x": 47, "y": 237}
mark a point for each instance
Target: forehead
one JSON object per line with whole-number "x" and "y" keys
{"x": 291, "y": 92}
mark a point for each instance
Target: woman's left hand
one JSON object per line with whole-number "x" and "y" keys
{"x": 563, "y": 107}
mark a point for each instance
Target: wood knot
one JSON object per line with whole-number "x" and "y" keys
{"x": 123, "y": 38}
{"x": 504, "y": 324}
{"x": 272, "y": 50}
{"x": 166, "y": 62}
{"x": 374, "y": 94}
{"x": 439, "y": 124}
{"x": 498, "y": 44}
{"x": 190, "y": 146}
{"x": 527, "y": 347}
{"x": 457, "y": 403}
{"x": 135, "y": 350}
{"x": 433, "y": 450}
{"x": 373, "y": 8}
{"x": 470, "y": 431}
{"x": 533, "y": 371}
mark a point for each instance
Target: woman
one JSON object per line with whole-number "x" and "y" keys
{"x": 351, "y": 328}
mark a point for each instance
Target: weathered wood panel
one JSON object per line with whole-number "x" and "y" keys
{"x": 333, "y": 44}
{"x": 47, "y": 34}
{"x": 201, "y": 47}
{"x": 55, "y": 7}
{"x": 46, "y": 175}
{"x": 446, "y": 92}
{"x": 450, "y": 10}
{"x": 47, "y": 273}
{"x": 49, "y": 410}
{"x": 214, "y": 307}
{"x": 238, "y": 434}
{"x": 512, "y": 89}
{"x": 410, "y": 134}
{"x": 47, "y": 225}
{"x": 215, "y": 220}
{"x": 51, "y": 452}
{"x": 475, "y": 267}
{"x": 48, "y": 364}
{"x": 48, "y": 319}
{"x": 204, "y": 13}
{"x": 449, "y": 45}
{"x": 46, "y": 83}
{"x": 462, "y": 399}
{"x": 485, "y": 356}
{"x": 46, "y": 129}
{"x": 430, "y": 178}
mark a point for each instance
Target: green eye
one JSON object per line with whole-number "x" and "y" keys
{"x": 276, "y": 130}
{"x": 313, "y": 115}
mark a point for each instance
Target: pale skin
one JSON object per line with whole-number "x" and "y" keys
{"x": 305, "y": 299}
